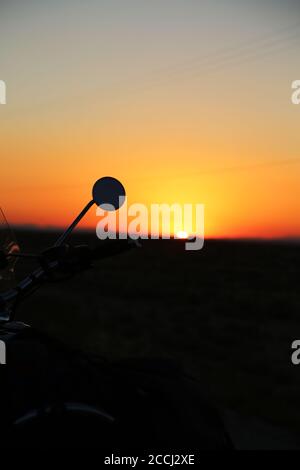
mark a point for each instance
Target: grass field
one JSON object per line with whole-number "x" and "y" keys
{"x": 228, "y": 313}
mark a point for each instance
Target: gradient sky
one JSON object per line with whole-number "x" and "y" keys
{"x": 184, "y": 101}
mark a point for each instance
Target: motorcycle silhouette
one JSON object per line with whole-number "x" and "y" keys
{"x": 54, "y": 396}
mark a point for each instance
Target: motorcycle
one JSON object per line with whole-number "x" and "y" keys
{"x": 54, "y": 396}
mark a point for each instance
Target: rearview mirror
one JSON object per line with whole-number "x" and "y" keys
{"x": 109, "y": 193}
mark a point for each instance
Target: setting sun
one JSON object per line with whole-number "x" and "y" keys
{"x": 182, "y": 235}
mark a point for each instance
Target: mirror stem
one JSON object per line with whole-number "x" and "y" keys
{"x": 69, "y": 230}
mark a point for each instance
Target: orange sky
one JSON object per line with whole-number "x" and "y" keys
{"x": 185, "y": 105}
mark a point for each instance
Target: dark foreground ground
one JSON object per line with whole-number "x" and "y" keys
{"x": 228, "y": 313}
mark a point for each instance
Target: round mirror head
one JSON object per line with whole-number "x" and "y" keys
{"x": 109, "y": 193}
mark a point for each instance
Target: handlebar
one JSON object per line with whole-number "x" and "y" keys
{"x": 62, "y": 260}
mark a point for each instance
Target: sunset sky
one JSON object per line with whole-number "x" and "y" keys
{"x": 184, "y": 101}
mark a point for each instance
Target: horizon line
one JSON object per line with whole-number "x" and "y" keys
{"x": 52, "y": 228}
